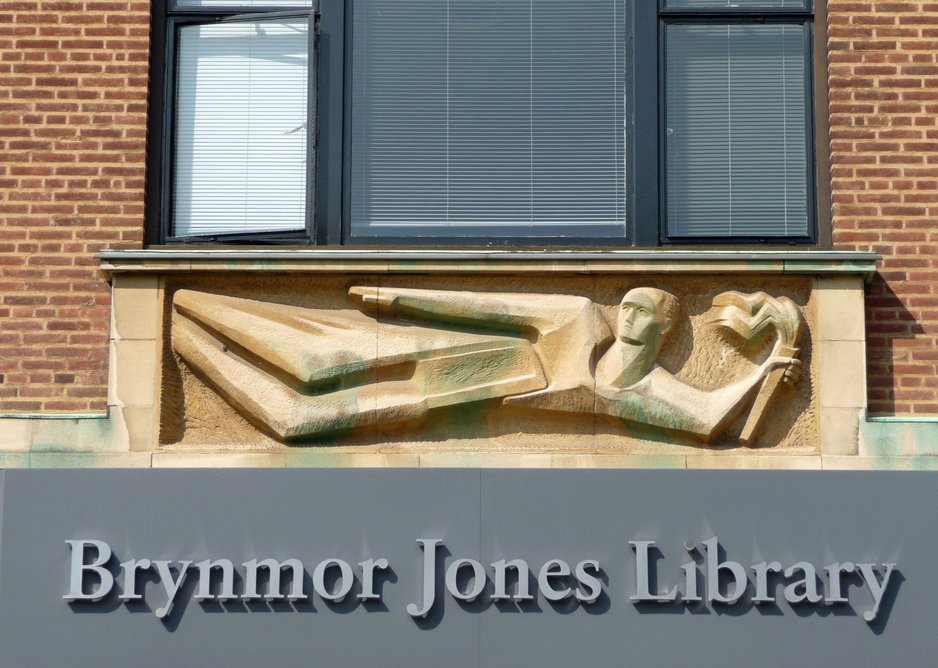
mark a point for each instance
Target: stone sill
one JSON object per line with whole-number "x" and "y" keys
{"x": 794, "y": 262}
{"x": 52, "y": 415}
{"x": 829, "y": 463}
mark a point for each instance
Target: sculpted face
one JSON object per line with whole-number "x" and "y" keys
{"x": 641, "y": 317}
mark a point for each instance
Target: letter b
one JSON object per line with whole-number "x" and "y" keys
{"x": 76, "y": 590}
{"x": 715, "y": 566}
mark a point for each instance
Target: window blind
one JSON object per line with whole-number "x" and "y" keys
{"x": 240, "y": 127}
{"x": 488, "y": 117}
{"x": 735, "y": 4}
{"x": 737, "y": 150}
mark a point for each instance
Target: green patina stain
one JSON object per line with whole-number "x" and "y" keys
{"x": 660, "y": 462}
{"x": 465, "y": 420}
{"x": 650, "y": 412}
{"x": 318, "y": 459}
{"x": 899, "y": 439}
{"x": 80, "y": 435}
{"x": 474, "y": 370}
{"x": 921, "y": 463}
{"x": 897, "y": 444}
{"x": 87, "y": 460}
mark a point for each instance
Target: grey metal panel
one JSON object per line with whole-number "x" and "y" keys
{"x": 197, "y": 515}
{"x": 485, "y": 515}
{"x": 819, "y": 518}
{"x": 2, "y": 497}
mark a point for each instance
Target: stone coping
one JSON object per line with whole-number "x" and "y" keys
{"x": 128, "y": 460}
{"x": 316, "y": 260}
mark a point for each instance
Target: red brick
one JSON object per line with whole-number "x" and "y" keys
{"x": 60, "y": 62}
{"x": 891, "y": 45}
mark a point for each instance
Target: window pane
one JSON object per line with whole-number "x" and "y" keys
{"x": 737, "y": 152}
{"x": 253, "y": 4}
{"x": 240, "y": 161}
{"x": 488, "y": 117}
{"x": 740, "y": 4}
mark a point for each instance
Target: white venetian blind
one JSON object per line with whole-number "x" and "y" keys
{"x": 488, "y": 118}
{"x": 240, "y": 127}
{"x": 737, "y": 119}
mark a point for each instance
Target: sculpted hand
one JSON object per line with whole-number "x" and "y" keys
{"x": 793, "y": 368}
{"x": 369, "y": 298}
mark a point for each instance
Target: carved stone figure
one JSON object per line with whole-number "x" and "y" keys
{"x": 299, "y": 372}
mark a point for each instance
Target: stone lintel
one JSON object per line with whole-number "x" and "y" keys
{"x": 350, "y": 261}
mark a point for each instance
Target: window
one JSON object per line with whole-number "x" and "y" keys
{"x": 488, "y": 118}
{"x": 737, "y": 120}
{"x": 239, "y": 114}
{"x": 552, "y": 122}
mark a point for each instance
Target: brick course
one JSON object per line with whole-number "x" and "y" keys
{"x": 884, "y": 161}
{"x": 73, "y": 95}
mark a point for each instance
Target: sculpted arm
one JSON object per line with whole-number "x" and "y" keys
{"x": 498, "y": 311}
{"x": 664, "y": 401}
{"x": 724, "y": 405}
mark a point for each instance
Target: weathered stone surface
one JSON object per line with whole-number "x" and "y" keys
{"x": 135, "y": 312}
{"x": 452, "y": 366}
{"x": 302, "y": 373}
{"x": 15, "y": 435}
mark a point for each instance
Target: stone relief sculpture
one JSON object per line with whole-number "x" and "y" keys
{"x": 299, "y": 372}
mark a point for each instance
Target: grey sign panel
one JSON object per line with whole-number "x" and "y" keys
{"x": 570, "y": 530}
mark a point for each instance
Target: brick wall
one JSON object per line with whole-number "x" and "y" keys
{"x": 884, "y": 142}
{"x": 73, "y": 86}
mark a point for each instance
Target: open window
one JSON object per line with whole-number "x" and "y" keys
{"x": 241, "y": 161}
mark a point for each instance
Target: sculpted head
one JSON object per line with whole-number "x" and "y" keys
{"x": 646, "y": 315}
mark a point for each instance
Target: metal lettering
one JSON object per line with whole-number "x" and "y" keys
{"x": 478, "y": 579}
{"x": 170, "y": 586}
{"x": 714, "y": 566}
{"x": 553, "y": 569}
{"x": 501, "y": 576}
{"x": 130, "y": 569}
{"x": 368, "y": 578}
{"x": 762, "y": 570}
{"x": 875, "y": 588}
{"x": 834, "y": 583}
{"x": 593, "y": 585}
{"x": 643, "y": 575}
{"x": 344, "y": 585}
{"x": 76, "y": 589}
{"x": 428, "y": 545}
{"x": 804, "y": 590}
{"x": 274, "y": 567}
{"x": 206, "y": 568}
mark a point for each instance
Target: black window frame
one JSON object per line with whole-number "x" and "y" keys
{"x": 167, "y": 20}
{"x": 329, "y": 146}
{"x": 805, "y": 17}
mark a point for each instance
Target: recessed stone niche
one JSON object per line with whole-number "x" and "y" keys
{"x": 695, "y": 357}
